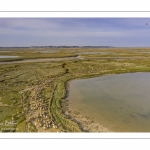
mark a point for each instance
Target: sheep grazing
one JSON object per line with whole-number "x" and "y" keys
{"x": 40, "y": 124}
{"x": 33, "y": 117}
{"x": 54, "y": 126}
{"x": 44, "y": 127}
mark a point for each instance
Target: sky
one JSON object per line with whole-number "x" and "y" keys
{"x": 116, "y": 32}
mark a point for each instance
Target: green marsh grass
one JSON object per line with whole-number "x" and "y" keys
{"x": 53, "y": 78}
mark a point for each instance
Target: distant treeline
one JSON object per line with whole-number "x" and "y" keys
{"x": 62, "y": 47}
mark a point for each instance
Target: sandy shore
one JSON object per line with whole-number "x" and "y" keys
{"x": 86, "y": 123}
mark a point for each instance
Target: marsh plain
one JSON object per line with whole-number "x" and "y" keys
{"x": 33, "y": 94}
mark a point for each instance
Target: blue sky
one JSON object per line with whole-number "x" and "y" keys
{"x": 119, "y": 32}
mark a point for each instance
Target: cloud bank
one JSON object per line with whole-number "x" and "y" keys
{"x": 74, "y": 31}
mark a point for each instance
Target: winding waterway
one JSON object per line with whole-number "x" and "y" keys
{"x": 40, "y": 60}
{"x": 119, "y": 102}
{"x": 6, "y": 56}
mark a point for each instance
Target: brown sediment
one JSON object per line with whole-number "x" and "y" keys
{"x": 86, "y": 123}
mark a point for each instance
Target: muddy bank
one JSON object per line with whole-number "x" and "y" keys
{"x": 86, "y": 123}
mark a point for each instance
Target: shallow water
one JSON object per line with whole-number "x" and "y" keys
{"x": 103, "y": 53}
{"x": 6, "y": 56}
{"x": 145, "y": 52}
{"x": 47, "y": 51}
{"x": 119, "y": 102}
{"x": 41, "y": 60}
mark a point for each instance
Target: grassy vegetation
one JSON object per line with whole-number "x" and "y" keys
{"x": 45, "y": 83}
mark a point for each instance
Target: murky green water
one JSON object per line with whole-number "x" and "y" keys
{"x": 119, "y": 102}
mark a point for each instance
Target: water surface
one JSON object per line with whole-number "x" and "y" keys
{"x": 41, "y": 60}
{"x": 119, "y": 102}
{"x": 102, "y": 53}
{"x": 47, "y": 51}
{"x": 6, "y": 56}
